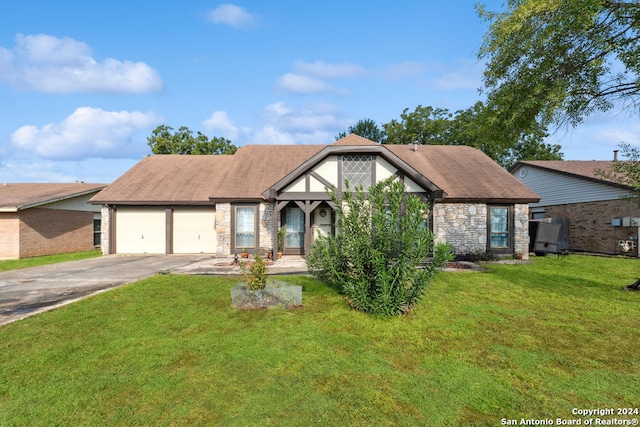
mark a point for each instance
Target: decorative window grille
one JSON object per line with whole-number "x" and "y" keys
{"x": 357, "y": 169}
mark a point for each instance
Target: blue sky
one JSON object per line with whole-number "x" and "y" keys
{"x": 83, "y": 83}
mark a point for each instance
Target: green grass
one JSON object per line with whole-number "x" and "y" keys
{"x": 14, "y": 264}
{"x": 517, "y": 341}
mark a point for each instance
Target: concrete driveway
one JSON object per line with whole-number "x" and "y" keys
{"x": 32, "y": 290}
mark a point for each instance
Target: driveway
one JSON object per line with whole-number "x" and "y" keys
{"x": 30, "y": 291}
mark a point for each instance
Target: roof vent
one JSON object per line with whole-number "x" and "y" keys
{"x": 615, "y": 155}
{"x": 415, "y": 146}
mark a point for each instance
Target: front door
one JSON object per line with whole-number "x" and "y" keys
{"x": 294, "y": 231}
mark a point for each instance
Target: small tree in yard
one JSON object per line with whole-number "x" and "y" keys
{"x": 377, "y": 258}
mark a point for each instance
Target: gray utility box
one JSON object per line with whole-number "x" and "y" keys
{"x": 549, "y": 235}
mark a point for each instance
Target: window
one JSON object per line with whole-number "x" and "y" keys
{"x": 97, "y": 222}
{"x": 537, "y": 213}
{"x": 294, "y": 218}
{"x": 245, "y": 227}
{"x": 499, "y": 228}
{"x": 357, "y": 169}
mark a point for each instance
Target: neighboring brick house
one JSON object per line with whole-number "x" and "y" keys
{"x": 228, "y": 204}
{"x": 46, "y": 219}
{"x": 599, "y": 211}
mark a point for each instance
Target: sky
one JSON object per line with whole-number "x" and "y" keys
{"x": 84, "y": 83}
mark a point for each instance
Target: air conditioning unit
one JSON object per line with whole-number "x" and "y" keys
{"x": 626, "y": 245}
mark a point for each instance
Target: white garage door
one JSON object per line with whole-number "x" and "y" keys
{"x": 194, "y": 231}
{"x": 140, "y": 231}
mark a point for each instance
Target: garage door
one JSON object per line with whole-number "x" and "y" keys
{"x": 194, "y": 231}
{"x": 140, "y": 231}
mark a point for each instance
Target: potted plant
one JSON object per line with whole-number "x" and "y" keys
{"x": 280, "y": 241}
{"x": 245, "y": 254}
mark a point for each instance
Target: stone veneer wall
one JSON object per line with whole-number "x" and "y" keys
{"x": 464, "y": 227}
{"x": 104, "y": 230}
{"x": 266, "y": 228}
{"x": 521, "y": 232}
{"x": 223, "y": 228}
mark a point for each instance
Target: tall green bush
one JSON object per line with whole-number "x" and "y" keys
{"x": 383, "y": 255}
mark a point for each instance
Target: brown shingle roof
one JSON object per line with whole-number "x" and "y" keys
{"x": 354, "y": 140}
{"x": 257, "y": 167}
{"x": 464, "y": 173}
{"x": 22, "y": 196}
{"x": 167, "y": 179}
{"x": 580, "y": 168}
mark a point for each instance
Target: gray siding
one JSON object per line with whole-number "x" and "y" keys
{"x": 78, "y": 203}
{"x": 559, "y": 189}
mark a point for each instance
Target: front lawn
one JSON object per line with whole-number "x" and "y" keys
{"x": 14, "y": 264}
{"x": 518, "y": 341}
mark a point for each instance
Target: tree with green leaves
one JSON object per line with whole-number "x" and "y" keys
{"x": 626, "y": 171}
{"x": 476, "y": 127}
{"x": 558, "y": 61}
{"x": 365, "y": 128}
{"x": 425, "y": 125}
{"x": 164, "y": 141}
{"x": 382, "y": 238}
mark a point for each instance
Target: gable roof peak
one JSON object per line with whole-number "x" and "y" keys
{"x": 353, "y": 139}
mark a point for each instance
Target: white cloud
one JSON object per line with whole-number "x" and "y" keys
{"x": 270, "y": 134}
{"x": 322, "y": 70}
{"x": 308, "y": 77}
{"x": 219, "y": 121}
{"x": 232, "y": 15}
{"x": 46, "y": 63}
{"x": 313, "y": 124}
{"x": 285, "y": 124}
{"x": 88, "y": 132}
{"x": 467, "y": 76}
{"x": 402, "y": 70}
{"x": 315, "y": 117}
{"x": 298, "y": 84}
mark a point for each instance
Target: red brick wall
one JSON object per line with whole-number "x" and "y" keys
{"x": 590, "y": 226}
{"x": 53, "y": 231}
{"x": 9, "y": 235}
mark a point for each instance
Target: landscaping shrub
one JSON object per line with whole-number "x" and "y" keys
{"x": 383, "y": 255}
{"x": 256, "y": 278}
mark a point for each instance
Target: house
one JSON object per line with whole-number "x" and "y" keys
{"x": 599, "y": 211}
{"x": 46, "y": 219}
{"x": 228, "y": 204}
